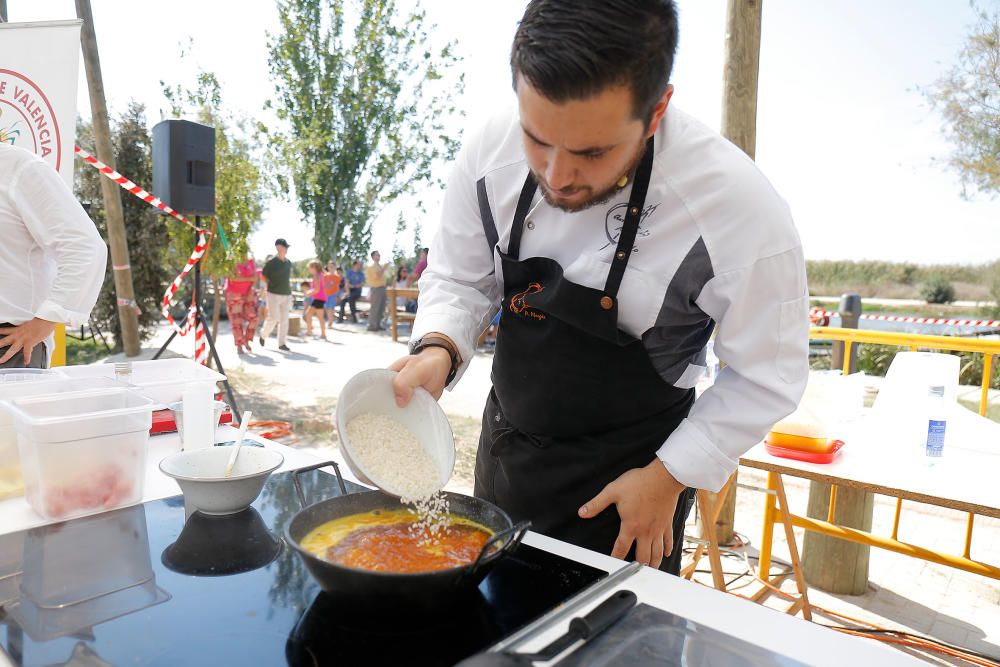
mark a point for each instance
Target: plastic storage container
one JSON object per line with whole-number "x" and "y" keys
{"x": 82, "y": 452}
{"x": 12, "y": 375}
{"x": 162, "y": 380}
{"x": 16, "y": 383}
{"x": 824, "y": 451}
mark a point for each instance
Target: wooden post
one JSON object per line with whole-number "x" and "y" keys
{"x": 117, "y": 240}
{"x": 739, "y": 102}
{"x": 839, "y": 566}
{"x": 832, "y": 565}
{"x": 739, "y": 125}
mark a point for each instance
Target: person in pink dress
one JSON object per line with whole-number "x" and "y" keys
{"x": 241, "y": 303}
{"x": 315, "y": 300}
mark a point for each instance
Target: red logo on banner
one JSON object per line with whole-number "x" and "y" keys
{"x": 27, "y": 119}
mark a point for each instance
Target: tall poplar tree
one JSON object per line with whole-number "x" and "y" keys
{"x": 365, "y": 100}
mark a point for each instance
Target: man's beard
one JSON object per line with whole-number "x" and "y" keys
{"x": 603, "y": 196}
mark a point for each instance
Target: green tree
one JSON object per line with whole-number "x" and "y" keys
{"x": 968, "y": 97}
{"x": 243, "y": 182}
{"x": 937, "y": 289}
{"x": 365, "y": 109}
{"x": 398, "y": 254}
{"x": 145, "y": 230}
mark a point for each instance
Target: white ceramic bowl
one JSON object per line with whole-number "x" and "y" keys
{"x": 371, "y": 392}
{"x": 199, "y": 473}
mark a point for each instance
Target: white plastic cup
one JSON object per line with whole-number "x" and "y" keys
{"x": 198, "y": 429}
{"x": 178, "y": 410}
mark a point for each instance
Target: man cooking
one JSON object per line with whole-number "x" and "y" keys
{"x": 614, "y": 233}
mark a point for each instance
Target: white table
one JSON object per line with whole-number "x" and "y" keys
{"x": 758, "y": 625}
{"x": 871, "y": 461}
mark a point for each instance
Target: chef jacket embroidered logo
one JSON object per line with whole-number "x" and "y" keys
{"x": 614, "y": 220}
{"x": 519, "y": 307}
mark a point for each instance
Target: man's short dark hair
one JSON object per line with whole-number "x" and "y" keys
{"x": 575, "y": 49}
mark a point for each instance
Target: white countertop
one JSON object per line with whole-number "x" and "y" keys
{"x": 767, "y": 628}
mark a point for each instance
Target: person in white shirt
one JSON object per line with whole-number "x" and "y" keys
{"x": 614, "y": 233}
{"x": 52, "y": 260}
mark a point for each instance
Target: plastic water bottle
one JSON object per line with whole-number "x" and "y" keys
{"x": 711, "y": 362}
{"x": 937, "y": 423}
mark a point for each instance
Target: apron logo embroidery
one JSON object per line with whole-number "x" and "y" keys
{"x": 519, "y": 307}
{"x": 614, "y": 220}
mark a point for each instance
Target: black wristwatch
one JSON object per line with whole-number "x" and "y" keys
{"x": 435, "y": 341}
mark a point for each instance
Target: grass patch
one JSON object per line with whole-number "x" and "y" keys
{"x": 940, "y": 311}
{"x": 79, "y": 352}
{"x": 903, "y": 280}
{"x": 992, "y": 410}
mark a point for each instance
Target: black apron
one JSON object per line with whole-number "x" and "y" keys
{"x": 576, "y": 402}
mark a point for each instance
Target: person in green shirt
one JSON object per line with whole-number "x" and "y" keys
{"x": 277, "y": 273}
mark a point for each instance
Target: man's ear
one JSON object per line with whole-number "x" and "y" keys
{"x": 659, "y": 110}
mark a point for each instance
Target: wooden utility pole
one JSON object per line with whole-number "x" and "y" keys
{"x": 117, "y": 240}
{"x": 739, "y": 95}
{"x": 739, "y": 125}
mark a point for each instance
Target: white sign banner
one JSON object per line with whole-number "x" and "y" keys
{"x": 39, "y": 63}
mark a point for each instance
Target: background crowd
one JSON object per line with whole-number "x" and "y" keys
{"x": 260, "y": 298}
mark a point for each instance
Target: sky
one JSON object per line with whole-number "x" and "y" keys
{"x": 843, "y": 130}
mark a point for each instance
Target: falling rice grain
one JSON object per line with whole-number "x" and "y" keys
{"x": 396, "y": 461}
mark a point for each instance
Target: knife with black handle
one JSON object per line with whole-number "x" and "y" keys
{"x": 583, "y": 628}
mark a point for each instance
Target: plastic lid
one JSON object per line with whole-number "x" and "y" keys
{"x": 28, "y": 375}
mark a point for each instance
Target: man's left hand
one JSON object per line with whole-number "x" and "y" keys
{"x": 646, "y": 499}
{"x": 23, "y": 338}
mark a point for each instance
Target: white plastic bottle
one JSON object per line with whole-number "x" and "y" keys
{"x": 199, "y": 431}
{"x": 937, "y": 424}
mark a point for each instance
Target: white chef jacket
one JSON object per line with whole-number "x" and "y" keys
{"x": 52, "y": 260}
{"x": 716, "y": 244}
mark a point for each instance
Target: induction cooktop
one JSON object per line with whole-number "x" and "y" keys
{"x": 148, "y": 585}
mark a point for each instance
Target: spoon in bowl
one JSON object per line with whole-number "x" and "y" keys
{"x": 244, "y": 423}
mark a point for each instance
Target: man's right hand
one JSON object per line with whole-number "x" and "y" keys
{"x": 429, "y": 370}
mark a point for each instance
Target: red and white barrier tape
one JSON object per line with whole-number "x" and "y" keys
{"x": 131, "y": 187}
{"x": 168, "y": 297}
{"x": 201, "y": 351}
{"x": 821, "y": 317}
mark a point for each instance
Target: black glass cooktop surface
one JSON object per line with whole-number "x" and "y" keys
{"x": 140, "y": 586}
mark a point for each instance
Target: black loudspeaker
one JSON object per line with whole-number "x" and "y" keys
{"x": 184, "y": 166}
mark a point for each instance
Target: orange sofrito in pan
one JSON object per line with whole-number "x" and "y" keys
{"x": 384, "y": 542}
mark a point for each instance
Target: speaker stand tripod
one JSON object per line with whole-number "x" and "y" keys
{"x": 199, "y": 318}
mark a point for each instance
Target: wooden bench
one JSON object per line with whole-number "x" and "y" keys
{"x": 395, "y": 314}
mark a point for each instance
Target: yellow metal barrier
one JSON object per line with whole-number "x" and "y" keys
{"x": 988, "y": 348}
{"x": 59, "y": 353}
{"x": 774, "y": 513}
